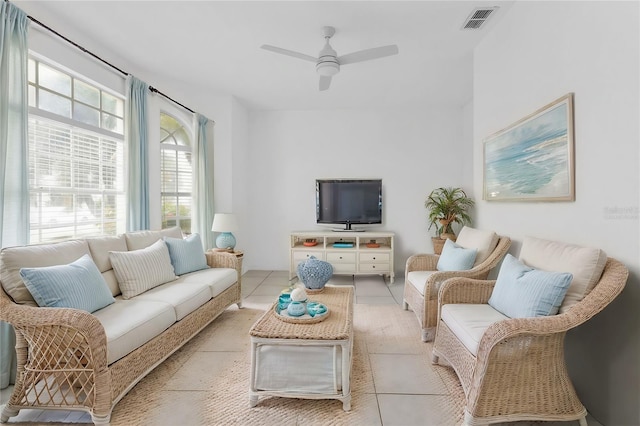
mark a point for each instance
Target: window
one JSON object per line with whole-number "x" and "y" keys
{"x": 176, "y": 173}
{"x": 76, "y": 157}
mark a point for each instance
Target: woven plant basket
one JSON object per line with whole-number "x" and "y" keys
{"x": 438, "y": 243}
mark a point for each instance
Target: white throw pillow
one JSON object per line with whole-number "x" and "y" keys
{"x": 483, "y": 241}
{"x": 141, "y": 270}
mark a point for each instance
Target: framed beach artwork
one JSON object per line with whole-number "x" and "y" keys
{"x": 532, "y": 159}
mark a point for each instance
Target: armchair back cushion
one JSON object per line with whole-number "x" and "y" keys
{"x": 584, "y": 263}
{"x": 483, "y": 241}
{"x": 524, "y": 292}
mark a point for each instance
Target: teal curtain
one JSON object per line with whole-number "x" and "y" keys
{"x": 14, "y": 178}
{"x": 137, "y": 135}
{"x": 203, "y": 184}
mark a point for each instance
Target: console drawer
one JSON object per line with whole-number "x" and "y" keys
{"x": 335, "y": 257}
{"x": 300, "y": 255}
{"x": 344, "y": 268}
{"x": 374, "y": 267}
{"x": 374, "y": 257}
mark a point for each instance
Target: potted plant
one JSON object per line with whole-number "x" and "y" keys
{"x": 447, "y": 206}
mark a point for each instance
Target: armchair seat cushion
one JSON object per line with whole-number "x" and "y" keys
{"x": 469, "y": 322}
{"x": 418, "y": 279}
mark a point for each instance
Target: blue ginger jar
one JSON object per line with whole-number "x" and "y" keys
{"x": 314, "y": 273}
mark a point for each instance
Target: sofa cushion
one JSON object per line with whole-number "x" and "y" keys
{"x": 483, "y": 241}
{"x": 142, "y": 239}
{"x": 217, "y": 279}
{"x": 469, "y": 322}
{"x": 584, "y": 263}
{"x": 12, "y": 259}
{"x": 184, "y": 297}
{"x": 129, "y": 324}
{"x": 141, "y": 270}
{"x": 77, "y": 285}
{"x": 100, "y": 248}
{"x": 456, "y": 258}
{"x": 418, "y": 279}
{"x": 186, "y": 254}
{"x": 522, "y": 291}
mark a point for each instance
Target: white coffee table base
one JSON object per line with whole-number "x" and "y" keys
{"x": 334, "y": 380}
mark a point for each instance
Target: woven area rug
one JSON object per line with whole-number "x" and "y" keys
{"x": 218, "y": 393}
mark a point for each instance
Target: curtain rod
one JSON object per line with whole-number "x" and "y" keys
{"x": 151, "y": 88}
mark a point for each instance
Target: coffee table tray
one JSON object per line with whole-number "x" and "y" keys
{"x": 283, "y": 315}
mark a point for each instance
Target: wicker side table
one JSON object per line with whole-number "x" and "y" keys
{"x": 226, "y": 259}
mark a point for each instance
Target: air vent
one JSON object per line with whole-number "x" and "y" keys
{"x": 478, "y": 17}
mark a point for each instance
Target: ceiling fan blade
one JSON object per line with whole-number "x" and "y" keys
{"x": 289, "y": 53}
{"x": 325, "y": 82}
{"x": 368, "y": 54}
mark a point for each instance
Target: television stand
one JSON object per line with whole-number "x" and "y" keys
{"x": 349, "y": 252}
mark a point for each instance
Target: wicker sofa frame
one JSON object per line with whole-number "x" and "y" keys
{"x": 62, "y": 353}
{"x": 426, "y": 307}
{"x": 519, "y": 372}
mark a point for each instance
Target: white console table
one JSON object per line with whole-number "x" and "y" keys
{"x": 355, "y": 259}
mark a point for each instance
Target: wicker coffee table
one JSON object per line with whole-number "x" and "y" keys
{"x": 311, "y": 361}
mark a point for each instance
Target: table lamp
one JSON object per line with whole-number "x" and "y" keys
{"x": 225, "y": 223}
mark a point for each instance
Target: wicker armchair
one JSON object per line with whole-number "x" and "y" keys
{"x": 425, "y": 304}
{"x": 519, "y": 372}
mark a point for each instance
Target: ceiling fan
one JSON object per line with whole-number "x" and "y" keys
{"x": 328, "y": 62}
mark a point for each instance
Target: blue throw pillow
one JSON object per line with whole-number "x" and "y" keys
{"x": 523, "y": 292}
{"x": 456, "y": 258}
{"x": 76, "y": 285}
{"x": 186, "y": 254}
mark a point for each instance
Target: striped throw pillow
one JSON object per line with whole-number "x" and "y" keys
{"x": 186, "y": 254}
{"x": 523, "y": 292}
{"x": 140, "y": 270}
{"x": 77, "y": 285}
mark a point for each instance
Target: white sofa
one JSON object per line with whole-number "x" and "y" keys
{"x": 72, "y": 359}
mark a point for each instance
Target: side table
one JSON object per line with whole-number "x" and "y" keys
{"x": 226, "y": 259}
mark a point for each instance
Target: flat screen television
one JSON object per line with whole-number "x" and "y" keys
{"x": 348, "y": 202}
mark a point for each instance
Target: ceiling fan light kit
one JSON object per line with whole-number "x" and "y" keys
{"x": 328, "y": 62}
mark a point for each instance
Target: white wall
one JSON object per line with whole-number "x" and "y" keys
{"x": 412, "y": 151}
{"x": 537, "y": 53}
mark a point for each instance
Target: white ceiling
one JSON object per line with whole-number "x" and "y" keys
{"x": 216, "y": 45}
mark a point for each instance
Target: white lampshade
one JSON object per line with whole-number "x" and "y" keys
{"x": 224, "y": 222}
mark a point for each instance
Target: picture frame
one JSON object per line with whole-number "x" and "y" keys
{"x": 533, "y": 158}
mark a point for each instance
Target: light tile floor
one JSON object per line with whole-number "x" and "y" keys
{"x": 398, "y": 377}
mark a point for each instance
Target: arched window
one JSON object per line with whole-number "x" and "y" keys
{"x": 176, "y": 172}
